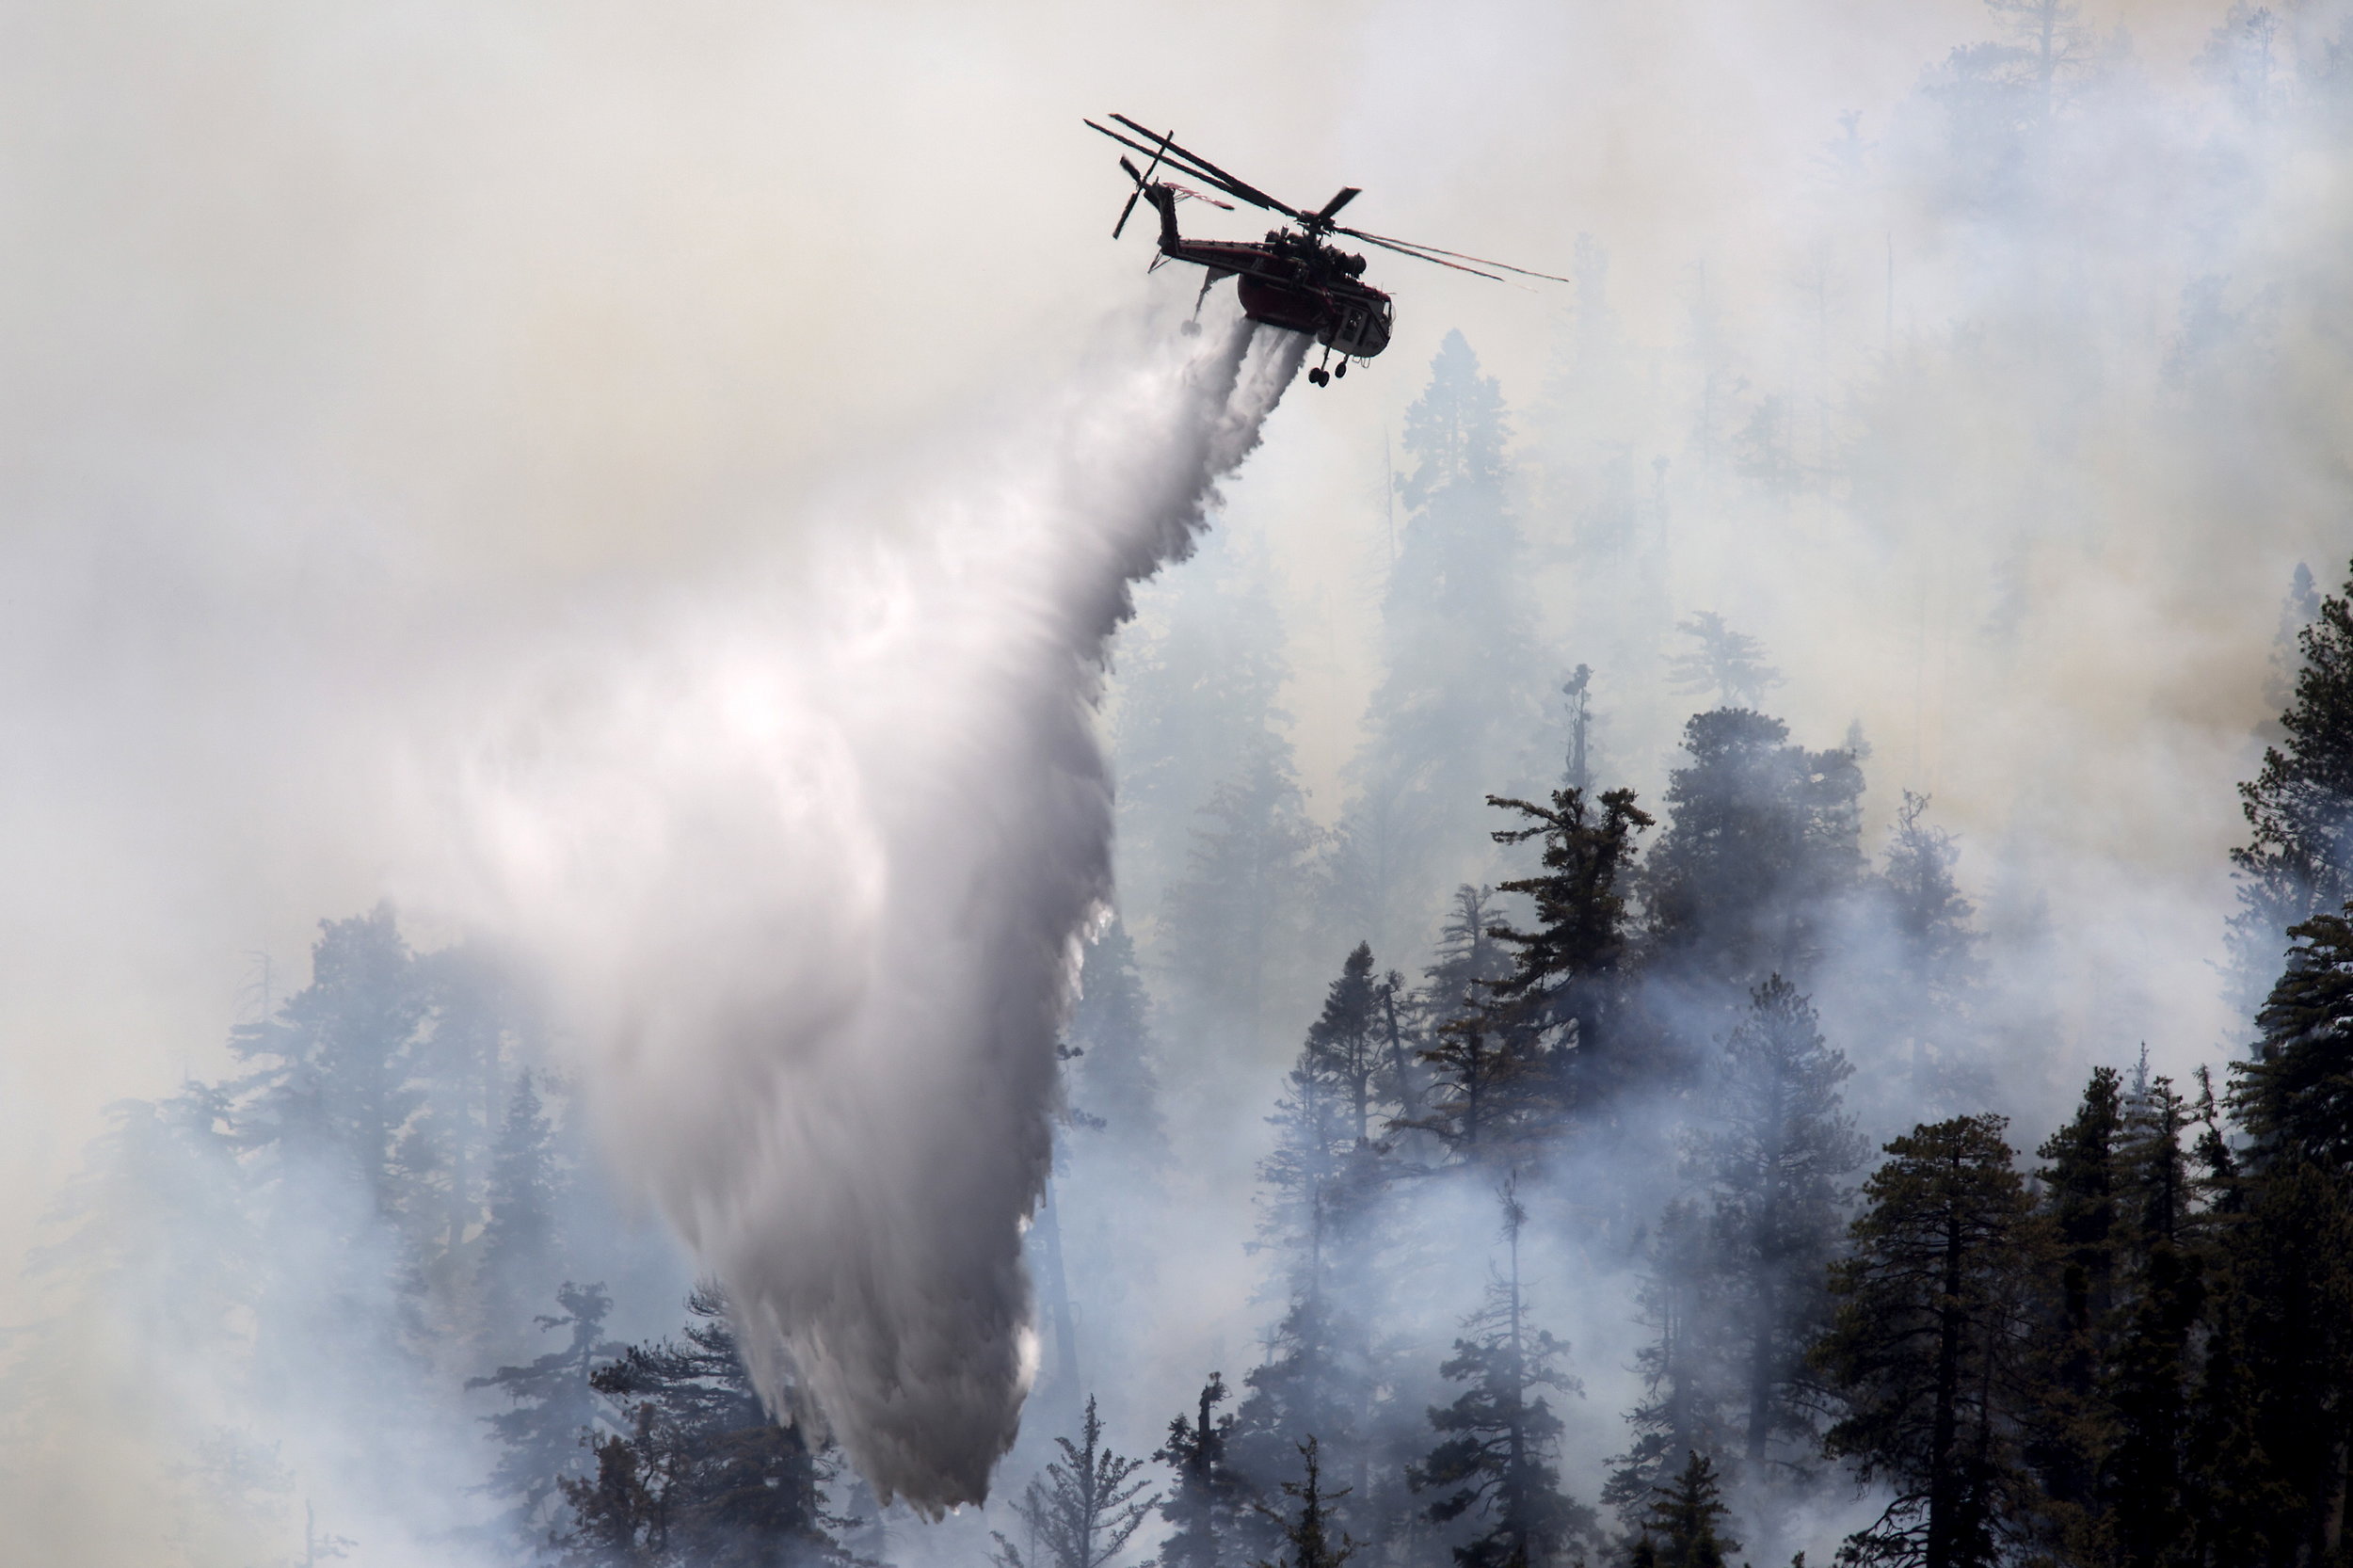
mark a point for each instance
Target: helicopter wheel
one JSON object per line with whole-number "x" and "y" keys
{"x": 1342, "y": 370}
{"x": 1318, "y": 377}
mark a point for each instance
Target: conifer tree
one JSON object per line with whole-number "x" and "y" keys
{"x": 1346, "y": 1040}
{"x": 1682, "y": 1364}
{"x": 699, "y": 1472}
{"x": 1685, "y": 1526}
{"x": 1936, "y": 970}
{"x": 2297, "y": 860}
{"x": 1239, "y": 911}
{"x": 553, "y": 1406}
{"x": 1085, "y": 1509}
{"x": 1323, "y": 1186}
{"x": 1773, "y": 1160}
{"x": 1117, "y": 1078}
{"x": 1486, "y": 1093}
{"x": 1200, "y": 676}
{"x": 520, "y": 1247}
{"x": 2163, "y": 1261}
{"x": 2291, "y": 1267}
{"x": 1459, "y": 693}
{"x": 1762, "y": 835}
{"x": 1727, "y": 663}
{"x": 2295, "y": 1099}
{"x": 1308, "y": 1534}
{"x": 1496, "y": 1459}
{"x": 1200, "y": 1509}
{"x": 1564, "y": 995}
{"x": 2079, "y": 1181}
{"x": 335, "y": 1079}
{"x": 1926, "y": 1350}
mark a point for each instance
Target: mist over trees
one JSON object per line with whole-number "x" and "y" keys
{"x": 1618, "y": 1103}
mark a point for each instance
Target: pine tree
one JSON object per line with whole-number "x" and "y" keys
{"x": 1309, "y": 1534}
{"x": 335, "y": 1083}
{"x": 462, "y": 1073}
{"x": 1682, "y": 1364}
{"x": 1685, "y": 1527}
{"x": 1771, "y": 1162}
{"x": 1458, "y": 695}
{"x": 1085, "y": 1509}
{"x": 1237, "y": 913}
{"x": 2079, "y": 1181}
{"x": 1199, "y": 679}
{"x": 1762, "y": 837}
{"x": 1932, "y": 982}
{"x": 2291, "y": 1273}
{"x": 1485, "y": 1092}
{"x": 2297, "y": 860}
{"x": 2296, "y": 1099}
{"x": 553, "y": 1406}
{"x": 1926, "y": 1350}
{"x": 1346, "y": 1040}
{"x": 1496, "y": 1459}
{"x": 2150, "y": 1377}
{"x": 520, "y": 1247}
{"x": 1118, "y": 1079}
{"x": 1323, "y": 1186}
{"x": 1565, "y": 992}
{"x": 1727, "y": 663}
{"x": 1200, "y": 1509}
{"x": 699, "y": 1472}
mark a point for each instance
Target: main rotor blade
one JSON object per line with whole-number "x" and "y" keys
{"x": 1421, "y": 256}
{"x": 1178, "y": 159}
{"x": 1347, "y": 194}
{"x": 1202, "y": 165}
{"x": 1186, "y": 163}
{"x": 1431, "y": 253}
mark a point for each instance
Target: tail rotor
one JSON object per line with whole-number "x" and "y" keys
{"x": 1141, "y": 180}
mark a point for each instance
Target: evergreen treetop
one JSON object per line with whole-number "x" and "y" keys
{"x": 2298, "y": 860}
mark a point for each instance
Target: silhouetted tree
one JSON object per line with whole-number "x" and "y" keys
{"x": 1308, "y": 1534}
{"x": 1926, "y": 1350}
{"x": 1239, "y": 911}
{"x": 1727, "y": 663}
{"x": 1771, "y": 1161}
{"x": 1117, "y": 1078}
{"x": 520, "y": 1248}
{"x": 1682, "y": 1364}
{"x": 1495, "y": 1456}
{"x": 1933, "y": 979}
{"x": 1201, "y": 1508}
{"x": 699, "y": 1472}
{"x": 1685, "y": 1527}
{"x": 544, "y": 1437}
{"x": 1562, "y": 999}
{"x": 1085, "y": 1509}
{"x": 2297, "y": 860}
{"x": 1762, "y": 837}
{"x": 1459, "y": 693}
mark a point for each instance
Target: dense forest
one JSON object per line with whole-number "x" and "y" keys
{"x": 1647, "y": 1132}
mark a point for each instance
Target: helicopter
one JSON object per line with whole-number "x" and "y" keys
{"x": 1299, "y": 280}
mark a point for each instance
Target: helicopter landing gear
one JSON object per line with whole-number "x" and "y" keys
{"x": 1342, "y": 371}
{"x": 1319, "y": 376}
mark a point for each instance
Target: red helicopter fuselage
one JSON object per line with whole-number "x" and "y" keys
{"x": 1288, "y": 280}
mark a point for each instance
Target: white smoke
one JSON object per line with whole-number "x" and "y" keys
{"x": 809, "y": 865}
